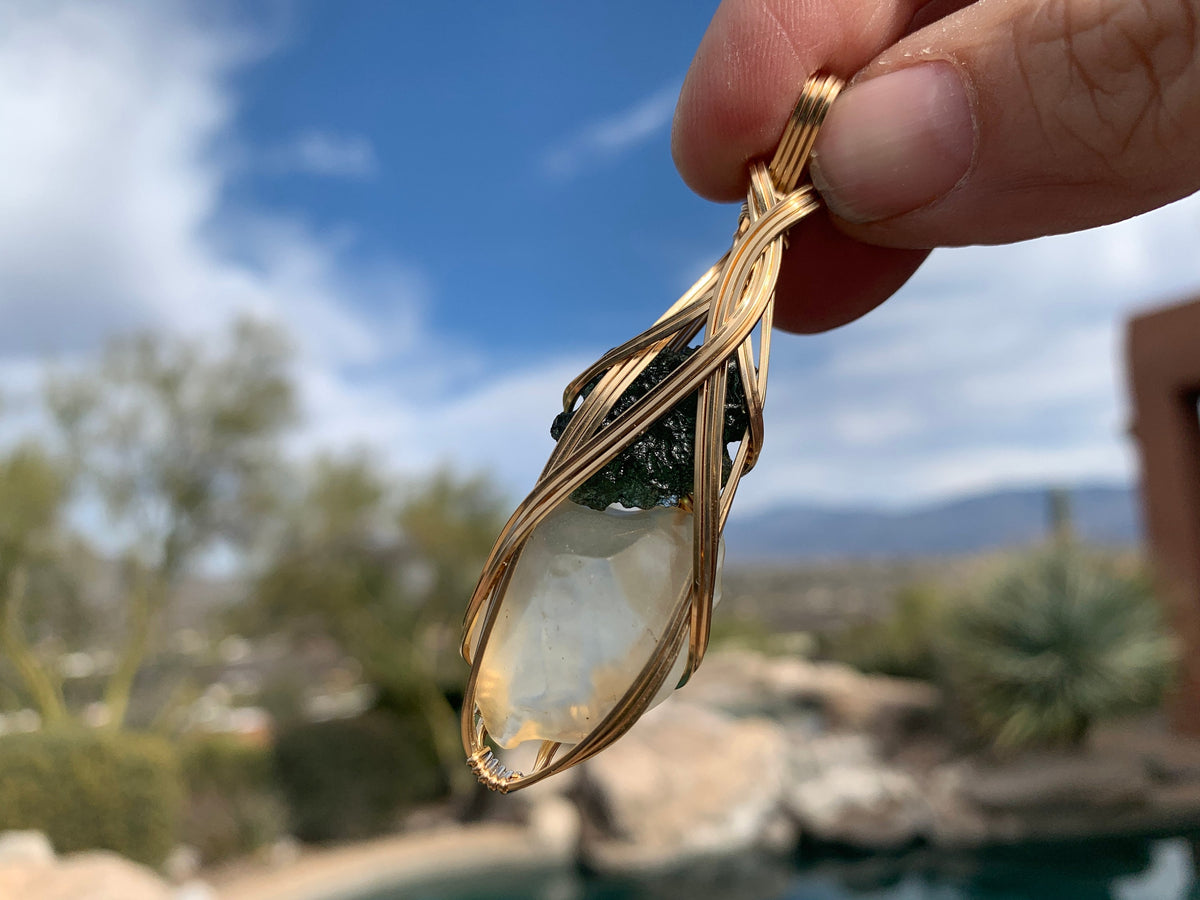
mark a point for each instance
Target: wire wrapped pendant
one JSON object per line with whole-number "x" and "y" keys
{"x": 723, "y": 310}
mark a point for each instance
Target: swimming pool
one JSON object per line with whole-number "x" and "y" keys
{"x": 1125, "y": 869}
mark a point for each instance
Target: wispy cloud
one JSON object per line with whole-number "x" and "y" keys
{"x": 323, "y": 153}
{"x": 607, "y": 138}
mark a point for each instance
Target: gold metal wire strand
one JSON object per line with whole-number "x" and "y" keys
{"x": 735, "y": 297}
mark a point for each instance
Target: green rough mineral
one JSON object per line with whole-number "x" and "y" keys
{"x": 657, "y": 469}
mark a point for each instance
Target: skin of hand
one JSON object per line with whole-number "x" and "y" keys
{"x": 965, "y": 123}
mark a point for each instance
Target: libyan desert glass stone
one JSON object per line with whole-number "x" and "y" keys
{"x": 591, "y": 596}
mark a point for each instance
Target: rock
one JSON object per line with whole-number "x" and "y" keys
{"x": 814, "y": 756}
{"x": 1050, "y": 783}
{"x": 182, "y": 864}
{"x": 870, "y": 807}
{"x": 592, "y": 594}
{"x": 737, "y": 682}
{"x": 283, "y": 852}
{"x": 1176, "y": 807}
{"x": 1168, "y": 758}
{"x": 1050, "y": 797}
{"x": 1174, "y": 762}
{"x": 555, "y": 825}
{"x": 686, "y": 782}
{"x": 837, "y": 789}
{"x": 659, "y": 466}
{"x": 890, "y": 709}
{"x": 25, "y": 848}
{"x": 97, "y": 875}
{"x": 195, "y": 890}
{"x": 955, "y": 822}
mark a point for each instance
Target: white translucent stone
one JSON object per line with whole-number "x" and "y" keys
{"x": 590, "y": 599}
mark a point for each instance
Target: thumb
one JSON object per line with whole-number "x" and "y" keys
{"x": 1012, "y": 119}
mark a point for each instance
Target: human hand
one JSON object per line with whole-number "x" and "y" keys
{"x": 986, "y": 122}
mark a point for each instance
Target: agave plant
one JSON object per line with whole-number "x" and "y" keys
{"x": 1052, "y": 646}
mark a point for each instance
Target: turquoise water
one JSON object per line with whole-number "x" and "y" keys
{"x": 1106, "y": 870}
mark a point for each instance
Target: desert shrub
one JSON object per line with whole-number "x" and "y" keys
{"x": 904, "y": 643}
{"x": 349, "y": 778}
{"x": 92, "y": 790}
{"x": 1059, "y": 642}
{"x": 233, "y": 806}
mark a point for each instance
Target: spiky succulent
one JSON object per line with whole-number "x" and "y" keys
{"x": 658, "y": 468}
{"x": 1058, "y": 643}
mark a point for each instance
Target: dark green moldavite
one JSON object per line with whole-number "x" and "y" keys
{"x": 658, "y": 468}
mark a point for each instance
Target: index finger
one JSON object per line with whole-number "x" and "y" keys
{"x": 739, "y": 91}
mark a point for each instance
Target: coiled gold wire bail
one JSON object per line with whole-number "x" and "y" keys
{"x": 800, "y": 133}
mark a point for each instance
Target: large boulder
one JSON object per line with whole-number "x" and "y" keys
{"x": 810, "y": 757}
{"x": 685, "y": 783}
{"x": 861, "y": 804}
{"x": 738, "y": 683}
{"x": 1167, "y": 758}
{"x": 1053, "y": 783}
{"x": 1052, "y": 796}
{"x": 25, "y": 848}
{"x": 838, "y": 696}
{"x": 955, "y": 821}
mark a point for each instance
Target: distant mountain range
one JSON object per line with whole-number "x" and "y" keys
{"x": 1105, "y": 515}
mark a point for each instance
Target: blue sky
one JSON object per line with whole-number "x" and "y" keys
{"x": 455, "y": 207}
{"x": 516, "y": 152}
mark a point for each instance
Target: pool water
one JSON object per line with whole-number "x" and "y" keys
{"x": 1161, "y": 869}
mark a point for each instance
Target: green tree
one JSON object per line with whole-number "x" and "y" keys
{"x": 33, "y": 491}
{"x": 178, "y": 441}
{"x": 387, "y": 574}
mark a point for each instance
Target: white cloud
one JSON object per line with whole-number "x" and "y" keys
{"x": 995, "y": 365}
{"x": 104, "y": 178}
{"x": 502, "y": 427}
{"x": 109, "y": 208}
{"x": 609, "y": 137}
{"x": 873, "y": 425}
{"x": 111, "y": 219}
{"x": 1055, "y": 370}
{"x": 323, "y": 153}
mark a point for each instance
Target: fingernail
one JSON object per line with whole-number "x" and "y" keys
{"x": 895, "y": 143}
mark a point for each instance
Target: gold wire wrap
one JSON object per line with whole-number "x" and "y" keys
{"x": 733, "y": 298}
{"x": 791, "y": 155}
